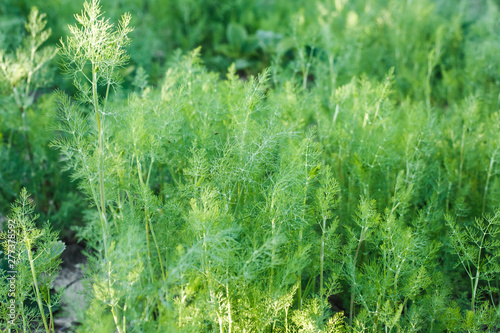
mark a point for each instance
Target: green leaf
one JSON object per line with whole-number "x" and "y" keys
{"x": 236, "y": 35}
{"x": 56, "y": 249}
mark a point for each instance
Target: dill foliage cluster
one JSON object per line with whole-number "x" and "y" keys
{"x": 351, "y": 186}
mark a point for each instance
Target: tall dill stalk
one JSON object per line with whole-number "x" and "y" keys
{"x": 98, "y": 46}
{"x": 327, "y": 196}
{"x": 367, "y": 218}
{"x": 97, "y": 43}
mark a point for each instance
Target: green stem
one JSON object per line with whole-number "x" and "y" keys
{"x": 115, "y": 318}
{"x": 229, "y": 318}
{"x": 125, "y": 318}
{"x": 51, "y": 327}
{"x": 461, "y": 159}
{"x": 164, "y": 277}
{"x": 149, "y": 226}
{"x": 104, "y": 221}
{"x": 299, "y": 293}
{"x": 149, "y": 171}
{"x": 25, "y": 324}
{"x": 309, "y": 285}
{"x": 490, "y": 169}
{"x": 35, "y": 285}
{"x": 148, "y": 243}
{"x": 273, "y": 253}
{"x": 474, "y": 290}
{"x": 351, "y": 309}
{"x": 322, "y": 257}
{"x": 181, "y": 304}
{"x": 286, "y": 320}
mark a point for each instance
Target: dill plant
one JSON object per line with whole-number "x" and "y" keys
{"x": 327, "y": 196}
{"x": 95, "y": 44}
{"x": 36, "y": 261}
{"x": 242, "y": 199}
{"x": 22, "y": 71}
{"x": 232, "y": 187}
{"x": 227, "y": 271}
{"x": 92, "y": 56}
{"x": 477, "y": 248}
{"x": 403, "y": 258}
{"x": 25, "y": 73}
